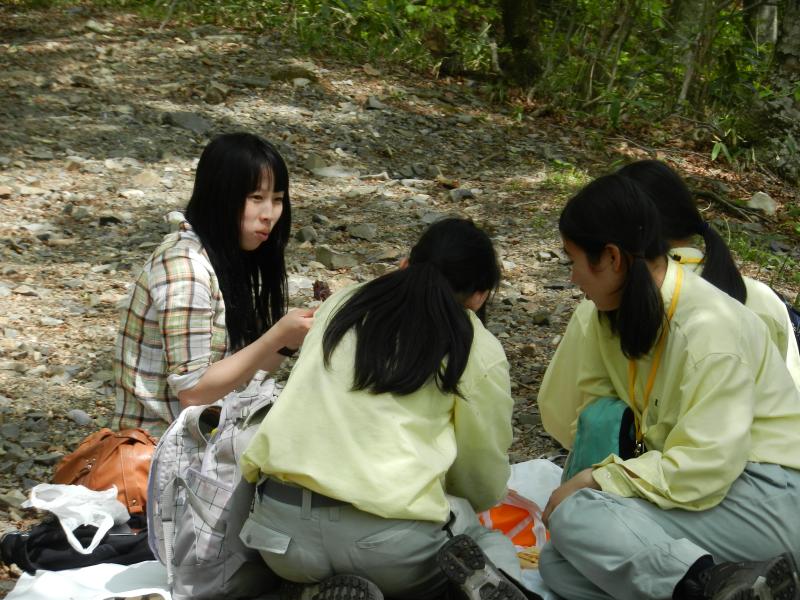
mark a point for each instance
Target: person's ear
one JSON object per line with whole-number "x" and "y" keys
{"x": 475, "y": 300}
{"x": 617, "y": 258}
{"x": 403, "y": 264}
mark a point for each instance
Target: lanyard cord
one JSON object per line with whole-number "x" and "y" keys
{"x": 686, "y": 260}
{"x": 651, "y": 378}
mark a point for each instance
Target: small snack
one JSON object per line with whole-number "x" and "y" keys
{"x": 529, "y": 558}
{"x": 321, "y": 290}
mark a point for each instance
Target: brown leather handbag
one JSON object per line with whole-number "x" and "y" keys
{"x": 107, "y": 458}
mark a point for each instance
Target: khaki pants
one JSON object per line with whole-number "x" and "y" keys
{"x": 603, "y": 546}
{"x": 308, "y": 545}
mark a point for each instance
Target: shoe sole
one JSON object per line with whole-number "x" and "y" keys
{"x": 347, "y": 587}
{"x": 778, "y": 581}
{"x": 465, "y": 564}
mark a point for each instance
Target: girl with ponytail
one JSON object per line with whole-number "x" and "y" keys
{"x": 393, "y": 429}
{"x": 682, "y": 224}
{"x": 716, "y": 424}
{"x": 560, "y": 400}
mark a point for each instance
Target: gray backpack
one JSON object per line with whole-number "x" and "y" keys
{"x": 197, "y": 499}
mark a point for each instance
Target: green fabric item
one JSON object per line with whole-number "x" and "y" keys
{"x": 605, "y": 427}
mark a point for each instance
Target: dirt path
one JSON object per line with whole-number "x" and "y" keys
{"x": 101, "y": 121}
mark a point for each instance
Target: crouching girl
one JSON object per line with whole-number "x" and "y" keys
{"x": 392, "y": 431}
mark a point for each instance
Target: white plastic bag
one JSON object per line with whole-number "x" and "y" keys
{"x": 529, "y": 489}
{"x": 535, "y": 480}
{"x": 75, "y": 505}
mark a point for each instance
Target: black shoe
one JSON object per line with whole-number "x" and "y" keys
{"x": 337, "y": 587}
{"x": 465, "y": 564}
{"x": 774, "y": 579}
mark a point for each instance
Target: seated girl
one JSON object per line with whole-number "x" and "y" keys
{"x": 392, "y": 430}
{"x": 714, "y": 482}
{"x": 177, "y": 344}
{"x": 560, "y": 399}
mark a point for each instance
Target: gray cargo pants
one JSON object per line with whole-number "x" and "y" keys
{"x": 307, "y": 545}
{"x": 603, "y": 546}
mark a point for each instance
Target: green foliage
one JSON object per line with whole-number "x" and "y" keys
{"x": 772, "y": 268}
{"x": 564, "y": 178}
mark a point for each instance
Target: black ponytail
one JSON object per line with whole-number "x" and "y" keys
{"x": 719, "y": 269}
{"x": 410, "y": 324}
{"x": 614, "y": 210}
{"x": 681, "y": 220}
{"x": 639, "y": 317}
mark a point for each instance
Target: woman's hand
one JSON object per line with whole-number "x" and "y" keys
{"x": 582, "y": 480}
{"x": 294, "y": 325}
{"x": 238, "y": 369}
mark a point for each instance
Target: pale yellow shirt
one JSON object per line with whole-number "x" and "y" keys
{"x": 393, "y": 456}
{"x": 562, "y": 397}
{"x": 766, "y": 304}
{"x": 722, "y": 397}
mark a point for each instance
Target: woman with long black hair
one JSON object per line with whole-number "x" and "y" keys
{"x": 392, "y": 430}
{"x": 208, "y": 309}
{"x": 714, "y": 479}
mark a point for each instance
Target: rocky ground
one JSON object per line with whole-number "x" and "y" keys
{"x": 102, "y": 118}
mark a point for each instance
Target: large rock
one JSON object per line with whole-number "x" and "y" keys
{"x": 306, "y": 234}
{"x": 186, "y": 120}
{"x": 335, "y": 260}
{"x": 291, "y": 72}
{"x": 763, "y": 202}
{"x": 363, "y": 231}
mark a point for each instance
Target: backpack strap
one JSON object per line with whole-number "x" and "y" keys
{"x": 257, "y": 410}
{"x": 167, "y": 508}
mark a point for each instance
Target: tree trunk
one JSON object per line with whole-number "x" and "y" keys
{"x": 627, "y": 21}
{"x": 787, "y": 49}
{"x": 693, "y": 32}
{"x": 521, "y": 27}
{"x": 761, "y": 21}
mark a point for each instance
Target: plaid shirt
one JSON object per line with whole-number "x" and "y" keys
{"x": 171, "y": 329}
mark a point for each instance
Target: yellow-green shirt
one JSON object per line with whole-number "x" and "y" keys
{"x": 722, "y": 397}
{"x": 766, "y": 304}
{"x": 393, "y": 456}
{"x": 562, "y": 397}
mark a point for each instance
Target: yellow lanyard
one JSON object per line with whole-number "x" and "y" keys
{"x": 651, "y": 378}
{"x": 685, "y": 260}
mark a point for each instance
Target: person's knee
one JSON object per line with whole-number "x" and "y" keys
{"x": 575, "y": 510}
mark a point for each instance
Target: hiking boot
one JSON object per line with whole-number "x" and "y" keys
{"x": 465, "y": 564}
{"x": 337, "y": 587}
{"x": 774, "y": 579}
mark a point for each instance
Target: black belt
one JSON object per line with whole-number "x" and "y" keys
{"x": 292, "y": 494}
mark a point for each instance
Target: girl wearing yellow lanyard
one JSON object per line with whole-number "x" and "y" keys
{"x": 560, "y": 400}
{"x": 716, "y": 482}
{"x": 681, "y": 224}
